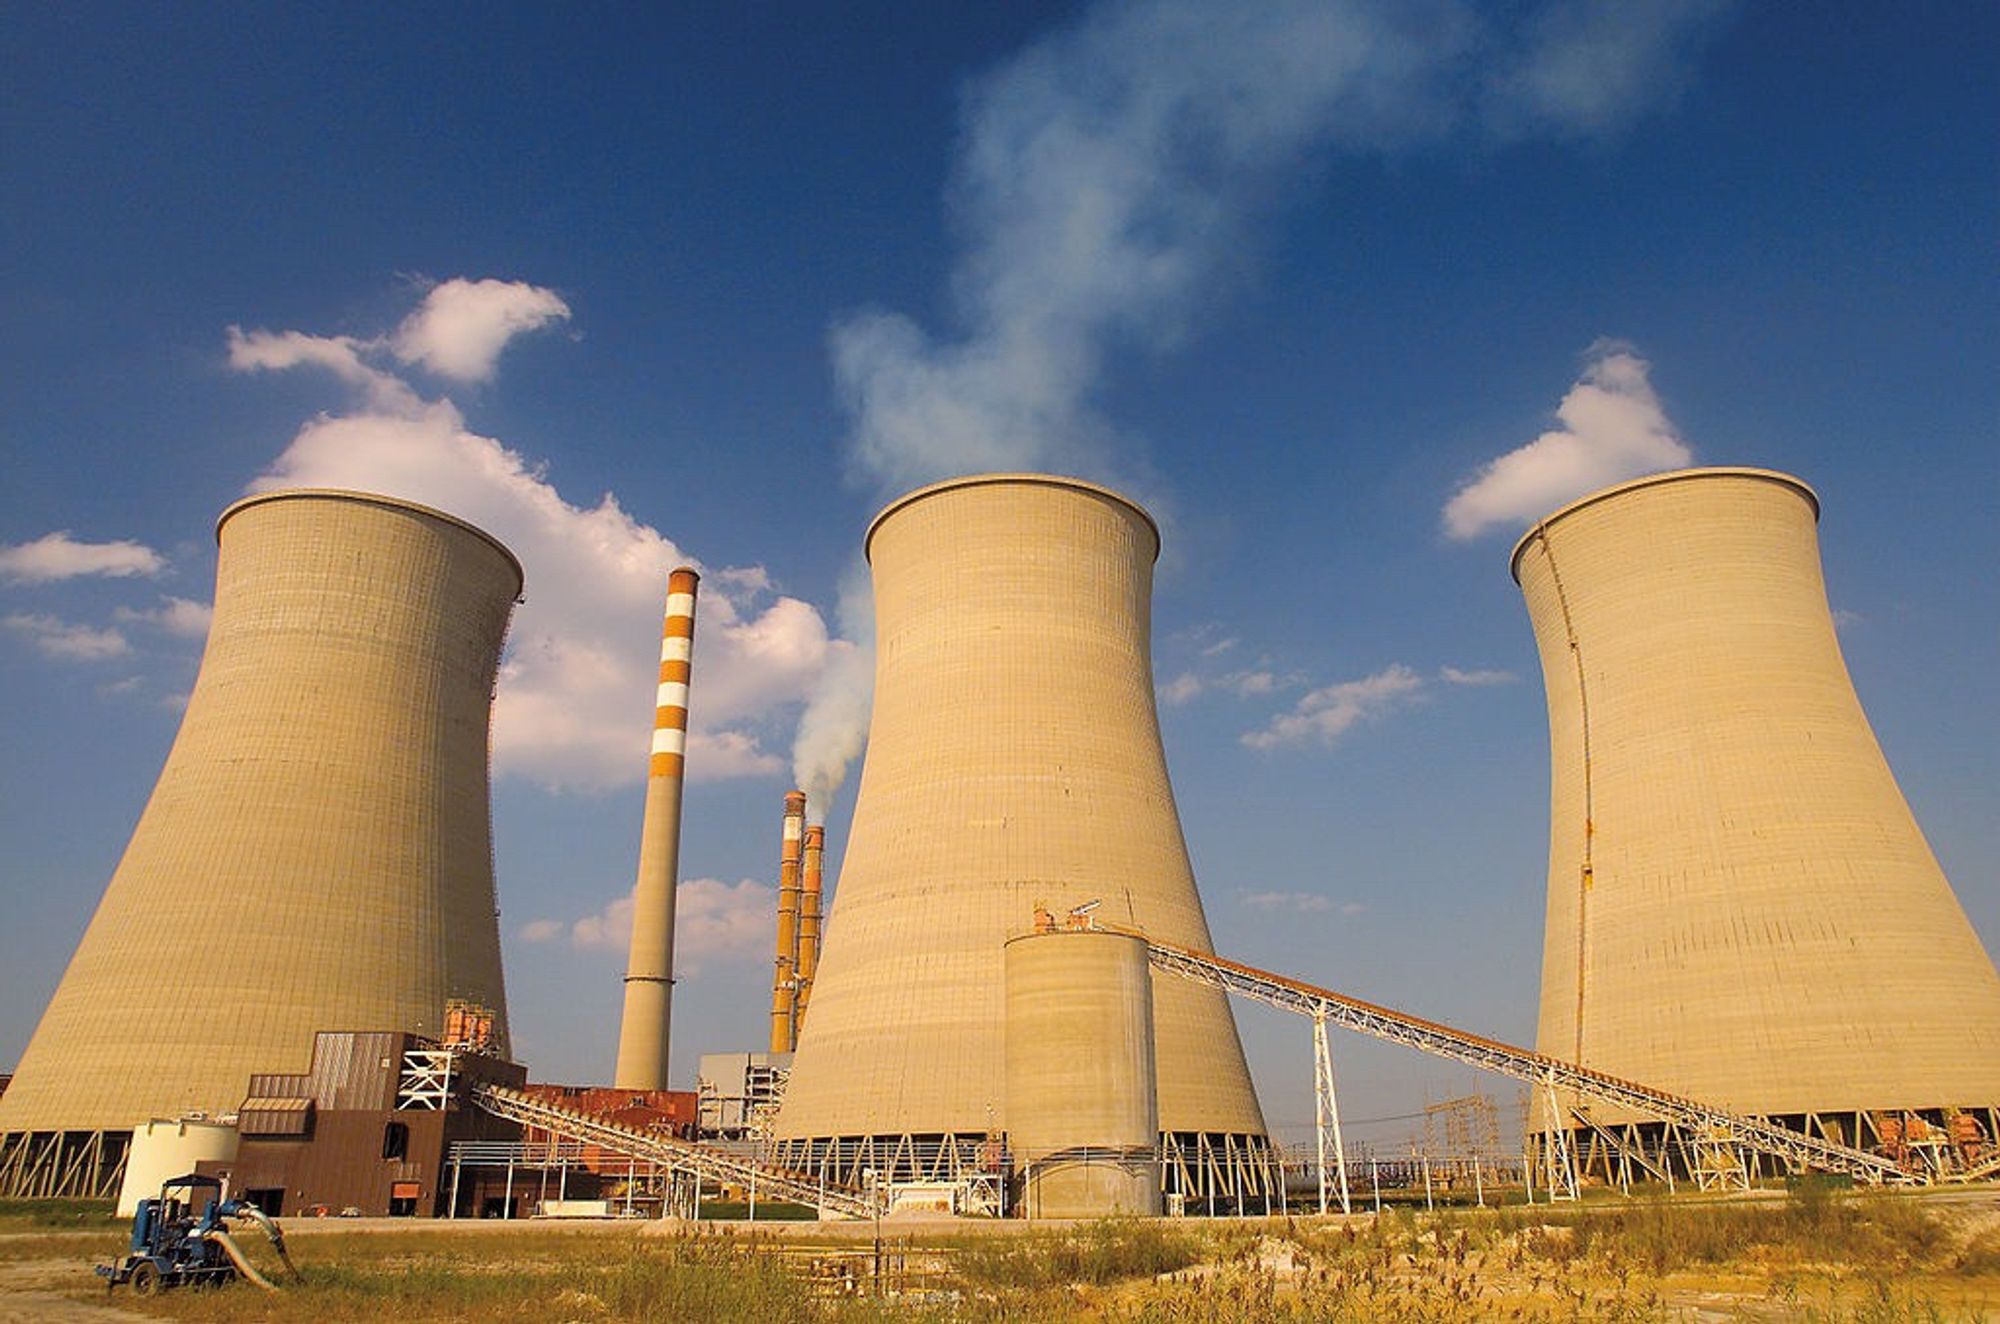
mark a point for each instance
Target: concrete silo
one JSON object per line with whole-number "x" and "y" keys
{"x": 316, "y": 854}
{"x": 1014, "y": 760}
{"x": 1741, "y": 907}
{"x": 1082, "y": 1107}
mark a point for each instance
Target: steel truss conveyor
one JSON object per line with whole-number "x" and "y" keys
{"x": 669, "y": 1152}
{"x": 1324, "y": 1005}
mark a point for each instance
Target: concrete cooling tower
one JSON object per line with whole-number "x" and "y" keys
{"x": 1741, "y": 908}
{"x": 316, "y": 854}
{"x": 1014, "y": 759}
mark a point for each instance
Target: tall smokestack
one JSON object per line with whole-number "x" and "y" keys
{"x": 784, "y": 982}
{"x": 809, "y": 920}
{"x": 649, "y": 973}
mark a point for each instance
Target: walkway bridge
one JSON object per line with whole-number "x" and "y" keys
{"x": 669, "y": 1152}
{"x": 1716, "y": 1125}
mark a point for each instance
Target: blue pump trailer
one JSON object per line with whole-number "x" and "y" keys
{"x": 180, "y": 1239}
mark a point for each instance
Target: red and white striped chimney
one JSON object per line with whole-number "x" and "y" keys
{"x": 649, "y": 973}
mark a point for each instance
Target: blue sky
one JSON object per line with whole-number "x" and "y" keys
{"x": 1294, "y": 276}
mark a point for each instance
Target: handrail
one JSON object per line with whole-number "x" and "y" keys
{"x": 787, "y": 1183}
{"x": 1521, "y": 1064}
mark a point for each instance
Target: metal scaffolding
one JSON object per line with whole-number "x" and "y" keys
{"x": 668, "y": 1152}
{"x": 1716, "y": 1126}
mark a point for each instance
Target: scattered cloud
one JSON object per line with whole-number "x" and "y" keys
{"x": 1219, "y": 647}
{"x": 1454, "y": 676}
{"x": 1324, "y": 715}
{"x": 1301, "y": 902}
{"x": 58, "y": 556}
{"x": 713, "y": 920}
{"x": 574, "y": 704}
{"x": 181, "y": 616}
{"x": 129, "y": 685}
{"x": 1181, "y": 689}
{"x": 1612, "y": 428}
{"x": 58, "y": 638}
{"x": 462, "y": 325}
{"x": 1843, "y": 618}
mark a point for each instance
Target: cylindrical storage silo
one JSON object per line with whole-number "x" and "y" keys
{"x": 163, "y": 1149}
{"x": 317, "y": 852}
{"x": 1014, "y": 760}
{"x": 1082, "y": 1111}
{"x": 1741, "y": 907}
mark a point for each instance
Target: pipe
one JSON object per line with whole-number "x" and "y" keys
{"x": 784, "y": 981}
{"x": 237, "y": 1258}
{"x": 809, "y": 924}
{"x": 649, "y": 972}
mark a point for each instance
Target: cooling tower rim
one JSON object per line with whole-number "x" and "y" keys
{"x": 376, "y": 499}
{"x": 997, "y": 479}
{"x": 1535, "y": 530}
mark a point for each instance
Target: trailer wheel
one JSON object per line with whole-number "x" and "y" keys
{"x": 145, "y": 1278}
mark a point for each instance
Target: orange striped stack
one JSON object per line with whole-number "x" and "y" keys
{"x": 649, "y": 974}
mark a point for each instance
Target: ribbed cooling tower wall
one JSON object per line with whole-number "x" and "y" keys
{"x": 1741, "y": 907}
{"x": 316, "y": 854}
{"x": 1013, "y": 758}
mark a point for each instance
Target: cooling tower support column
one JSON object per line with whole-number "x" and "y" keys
{"x": 1741, "y": 907}
{"x": 317, "y": 851}
{"x": 644, "y": 1032}
{"x": 1013, "y": 758}
{"x": 1082, "y": 1114}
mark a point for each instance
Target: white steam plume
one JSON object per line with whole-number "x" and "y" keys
{"x": 1107, "y": 179}
{"x": 835, "y": 723}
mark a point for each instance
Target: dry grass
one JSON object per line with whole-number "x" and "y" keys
{"x": 1816, "y": 1258}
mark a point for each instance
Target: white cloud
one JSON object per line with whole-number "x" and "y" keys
{"x": 712, "y": 920}
{"x": 72, "y": 643}
{"x": 1613, "y": 428}
{"x": 462, "y": 325}
{"x": 57, "y": 556}
{"x": 275, "y": 351}
{"x": 1181, "y": 689}
{"x": 181, "y": 616}
{"x": 575, "y": 700}
{"x": 1454, "y": 676}
{"x": 1324, "y": 715}
{"x": 1843, "y": 618}
{"x": 1300, "y": 902}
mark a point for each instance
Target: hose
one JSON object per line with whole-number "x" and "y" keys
{"x": 236, "y": 1257}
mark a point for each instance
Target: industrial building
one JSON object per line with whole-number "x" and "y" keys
{"x": 1741, "y": 907}
{"x": 316, "y": 854}
{"x": 1013, "y": 761}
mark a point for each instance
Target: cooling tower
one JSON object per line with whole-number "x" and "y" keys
{"x": 1014, "y": 759}
{"x": 316, "y": 854}
{"x": 1741, "y": 907}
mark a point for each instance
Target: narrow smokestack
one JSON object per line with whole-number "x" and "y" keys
{"x": 649, "y": 973}
{"x": 785, "y": 982}
{"x": 809, "y": 921}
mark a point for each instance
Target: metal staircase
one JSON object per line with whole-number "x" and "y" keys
{"x": 668, "y": 1152}
{"x": 1541, "y": 1072}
